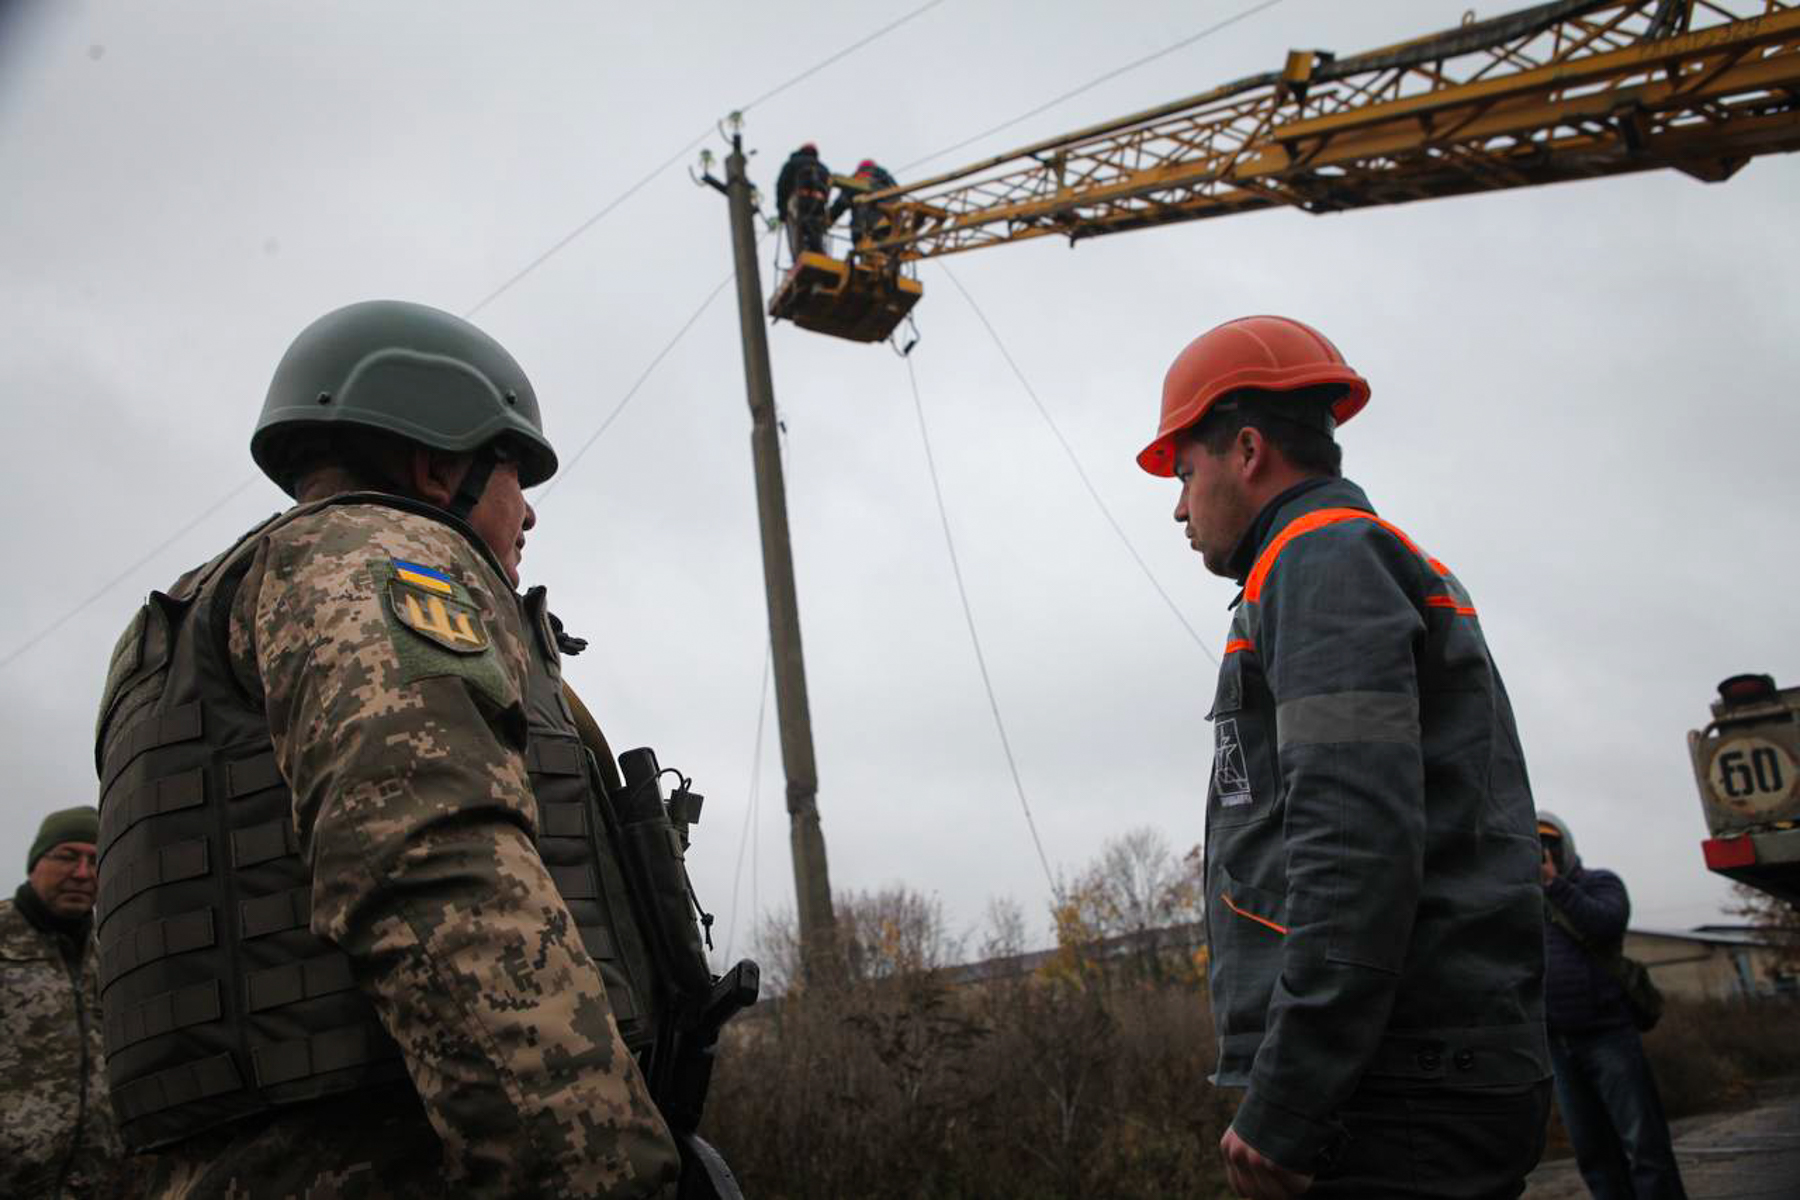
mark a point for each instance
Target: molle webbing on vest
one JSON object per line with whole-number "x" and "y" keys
{"x": 578, "y": 840}
{"x": 220, "y": 1002}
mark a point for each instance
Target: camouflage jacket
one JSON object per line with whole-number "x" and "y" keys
{"x": 399, "y": 728}
{"x": 56, "y": 1134}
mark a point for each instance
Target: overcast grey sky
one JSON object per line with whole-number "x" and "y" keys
{"x": 1582, "y": 401}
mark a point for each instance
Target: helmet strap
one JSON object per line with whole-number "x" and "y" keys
{"x": 468, "y": 492}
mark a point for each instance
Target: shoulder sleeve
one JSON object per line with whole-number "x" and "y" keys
{"x": 1336, "y": 626}
{"x": 392, "y": 664}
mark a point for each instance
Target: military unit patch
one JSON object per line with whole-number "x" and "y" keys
{"x": 431, "y": 604}
{"x": 425, "y": 577}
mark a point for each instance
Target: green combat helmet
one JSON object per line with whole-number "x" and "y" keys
{"x": 413, "y": 371}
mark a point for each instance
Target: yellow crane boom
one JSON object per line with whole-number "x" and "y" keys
{"x": 1573, "y": 89}
{"x": 1568, "y": 90}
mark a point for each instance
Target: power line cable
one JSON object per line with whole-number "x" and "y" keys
{"x": 845, "y": 52}
{"x": 1080, "y": 471}
{"x": 643, "y": 378}
{"x": 605, "y": 211}
{"x": 122, "y": 576}
{"x": 693, "y": 319}
{"x": 737, "y": 876}
{"x": 962, "y": 593}
{"x": 1098, "y": 80}
{"x": 752, "y": 831}
{"x": 561, "y": 244}
{"x": 564, "y": 242}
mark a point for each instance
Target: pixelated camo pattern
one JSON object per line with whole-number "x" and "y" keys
{"x": 45, "y": 1113}
{"x": 412, "y": 804}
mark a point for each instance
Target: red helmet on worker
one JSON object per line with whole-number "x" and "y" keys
{"x": 865, "y": 166}
{"x": 1272, "y": 354}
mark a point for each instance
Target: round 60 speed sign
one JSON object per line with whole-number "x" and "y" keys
{"x": 1752, "y": 776}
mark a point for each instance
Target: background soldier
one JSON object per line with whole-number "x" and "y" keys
{"x": 56, "y": 1135}
{"x": 365, "y": 926}
{"x": 1371, "y": 860}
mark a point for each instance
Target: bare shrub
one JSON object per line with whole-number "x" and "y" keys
{"x": 1135, "y": 892}
{"x": 893, "y": 1082}
{"x": 1707, "y": 1054}
{"x": 1776, "y": 919}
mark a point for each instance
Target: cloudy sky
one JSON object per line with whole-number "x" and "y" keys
{"x": 1583, "y": 402}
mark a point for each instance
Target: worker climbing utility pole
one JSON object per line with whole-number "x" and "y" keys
{"x": 812, "y": 882}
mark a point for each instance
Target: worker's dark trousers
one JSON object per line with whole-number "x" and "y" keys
{"x": 1615, "y": 1118}
{"x": 1467, "y": 1144}
{"x": 805, "y": 223}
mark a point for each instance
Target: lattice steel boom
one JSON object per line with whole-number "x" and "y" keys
{"x": 1569, "y": 90}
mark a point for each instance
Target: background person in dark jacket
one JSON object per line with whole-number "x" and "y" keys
{"x": 1604, "y": 1086}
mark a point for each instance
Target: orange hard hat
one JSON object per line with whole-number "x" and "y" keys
{"x": 1276, "y": 354}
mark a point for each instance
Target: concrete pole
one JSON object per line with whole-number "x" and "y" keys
{"x": 812, "y": 881}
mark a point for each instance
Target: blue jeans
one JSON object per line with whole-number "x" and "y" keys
{"x": 1614, "y": 1116}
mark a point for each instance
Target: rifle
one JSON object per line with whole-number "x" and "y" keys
{"x": 704, "y": 1175}
{"x": 654, "y": 841}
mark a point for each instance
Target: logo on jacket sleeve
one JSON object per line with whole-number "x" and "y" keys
{"x": 430, "y": 604}
{"x": 1231, "y": 778}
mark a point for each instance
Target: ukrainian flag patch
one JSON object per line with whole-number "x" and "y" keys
{"x": 425, "y": 577}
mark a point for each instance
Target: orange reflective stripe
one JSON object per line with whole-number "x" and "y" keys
{"x": 1450, "y": 603}
{"x": 1226, "y": 897}
{"x": 1265, "y": 562}
{"x": 1236, "y": 644}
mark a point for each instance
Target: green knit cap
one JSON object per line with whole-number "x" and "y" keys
{"x": 80, "y": 824}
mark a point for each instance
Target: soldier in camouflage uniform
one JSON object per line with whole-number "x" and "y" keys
{"x": 56, "y": 1135}
{"x": 338, "y": 962}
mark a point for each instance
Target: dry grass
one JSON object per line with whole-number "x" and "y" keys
{"x": 1086, "y": 1078}
{"x": 1707, "y": 1055}
{"x": 908, "y": 1088}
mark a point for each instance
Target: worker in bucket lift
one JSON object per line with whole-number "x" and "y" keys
{"x": 801, "y": 191}
{"x": 867, "y": 221}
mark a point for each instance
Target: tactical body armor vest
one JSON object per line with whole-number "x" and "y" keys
{"x": 220, "y": 1002}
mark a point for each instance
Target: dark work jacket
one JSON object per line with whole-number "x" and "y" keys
{"x": 1374, "y": 910}
{"x": 800, "y": 171}
{"x": 1579, "y": 995}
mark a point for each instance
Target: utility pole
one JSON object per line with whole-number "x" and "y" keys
{"x": 812, "y": 882}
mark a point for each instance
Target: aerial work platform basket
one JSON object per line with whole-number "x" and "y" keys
{"x": 850, "y": 298}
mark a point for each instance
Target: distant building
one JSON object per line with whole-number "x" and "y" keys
{"x": 1712, "y": 962}
{"x": 1166, "y": 950}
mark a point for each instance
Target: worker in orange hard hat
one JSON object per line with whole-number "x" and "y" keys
{"x": 867, "y": 221}
{"x": 801, "y": 191}
{"x": 1377, "y": 951}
